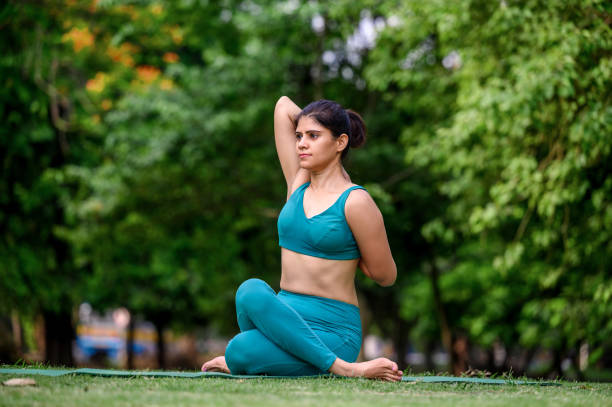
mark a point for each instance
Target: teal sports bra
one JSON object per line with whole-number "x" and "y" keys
{"x": 325, "y": 235}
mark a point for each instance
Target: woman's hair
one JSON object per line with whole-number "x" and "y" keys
{"x": 337, "y": 119}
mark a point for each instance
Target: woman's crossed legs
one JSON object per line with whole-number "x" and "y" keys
{"x": 297, "y": 350}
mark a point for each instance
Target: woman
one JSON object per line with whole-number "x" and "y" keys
{"x": 327, "y": 228}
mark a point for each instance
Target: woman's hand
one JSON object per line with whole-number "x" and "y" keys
{"x": 364, "y": 268}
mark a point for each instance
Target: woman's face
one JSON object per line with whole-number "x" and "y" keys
{"x": 315, "y": 145}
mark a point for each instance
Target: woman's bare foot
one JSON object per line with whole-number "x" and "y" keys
{"x": 216, "y": 365}
{"x": 381, "y": 369}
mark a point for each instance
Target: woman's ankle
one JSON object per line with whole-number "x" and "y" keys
{"x": 343, "y": 368}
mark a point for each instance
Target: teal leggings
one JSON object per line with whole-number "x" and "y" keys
{"x": 290, "y": 334}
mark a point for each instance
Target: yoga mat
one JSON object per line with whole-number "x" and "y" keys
{"x": 194, "y": 375}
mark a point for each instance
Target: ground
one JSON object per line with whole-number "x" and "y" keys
{"x": 66, "y": 391}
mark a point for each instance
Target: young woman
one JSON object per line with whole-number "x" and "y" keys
{"x": 328, "y": 227}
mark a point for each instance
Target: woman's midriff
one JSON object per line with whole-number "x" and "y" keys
{"x": 310, "y": 275}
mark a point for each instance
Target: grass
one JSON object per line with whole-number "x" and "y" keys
{"x": 75, "y": 390}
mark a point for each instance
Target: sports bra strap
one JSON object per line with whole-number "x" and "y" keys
{"x": 345, "y": 194}
{"x": 300, "y": 189}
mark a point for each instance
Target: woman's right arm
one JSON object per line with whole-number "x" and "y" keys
{"x": 366, "y": 223}
{"x": 285, "y": 113}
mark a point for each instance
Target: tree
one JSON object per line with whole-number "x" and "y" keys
{"x": 522, "y": 160}
{"x": 182, "y": 205}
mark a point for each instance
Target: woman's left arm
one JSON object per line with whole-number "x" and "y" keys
{"x": 366, "y": 223}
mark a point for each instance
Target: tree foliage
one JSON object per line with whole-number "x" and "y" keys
{"x": 139, "y": 167}
{"x": 519, "y": 147}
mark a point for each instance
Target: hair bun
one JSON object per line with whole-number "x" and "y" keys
{"x": 358, "y": 129}
{"x": 333, "y": 116}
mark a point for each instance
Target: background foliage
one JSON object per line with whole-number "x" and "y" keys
{"x": 138, "y": 167}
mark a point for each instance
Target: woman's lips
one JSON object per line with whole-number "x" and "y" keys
{"x": 304, "y": 155}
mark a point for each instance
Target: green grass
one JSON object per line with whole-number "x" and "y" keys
{"x": 74, "y": 390}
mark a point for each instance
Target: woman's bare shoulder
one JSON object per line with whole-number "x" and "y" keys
{"x": 360, "y": 201}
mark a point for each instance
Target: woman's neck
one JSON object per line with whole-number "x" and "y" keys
{"x": 329, "y": 178}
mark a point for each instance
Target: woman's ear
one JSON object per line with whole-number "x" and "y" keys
{"x": 342, "y": 142}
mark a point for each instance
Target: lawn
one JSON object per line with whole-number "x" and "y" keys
{"x": 75, "y": 390}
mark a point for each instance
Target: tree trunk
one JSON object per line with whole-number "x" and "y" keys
{"x": 446, "y": 333}
{"x": 576, "y": 363}
{"x": 490, "y": 366}
{"x": 528, "y": 358}
{"x": 556, "y": 365}
{"x": 59, "y": 334}
{"x": 400, "y": 341}
{"x": 17, "y": 334}
{"x": 460, "y": 356}
{"x": 429, "y": 363}
{"x": 161, "y": 345}
{"x": 519, "y": 369}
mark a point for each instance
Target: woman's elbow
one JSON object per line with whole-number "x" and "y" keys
{"x": 387, "y": 282}
{"x": 388, "y": 279}
{"x": 281, "y": 103}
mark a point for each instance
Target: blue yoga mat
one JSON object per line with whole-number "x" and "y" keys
{"x": 195, "y": 375}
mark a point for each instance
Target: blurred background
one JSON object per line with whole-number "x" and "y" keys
{"x": 140, "y": 185}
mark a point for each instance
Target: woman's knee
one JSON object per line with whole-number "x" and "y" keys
{"x": 237, "y": 354}
{"x": 252, "y": 291}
